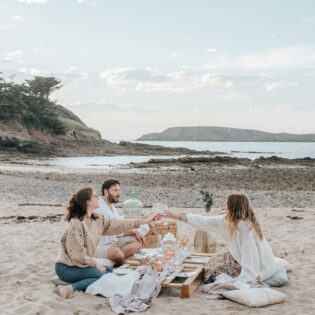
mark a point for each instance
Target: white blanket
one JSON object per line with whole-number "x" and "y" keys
{"x": 224, "y": 283}
{"x": 111, "y": 284}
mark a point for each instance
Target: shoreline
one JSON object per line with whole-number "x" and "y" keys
{"x": 178, "y": 185}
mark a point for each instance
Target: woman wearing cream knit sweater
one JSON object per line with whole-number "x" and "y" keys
{"x": 75, "y": 262}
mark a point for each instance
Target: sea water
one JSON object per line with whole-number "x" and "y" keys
{"x": 251, "y": 150}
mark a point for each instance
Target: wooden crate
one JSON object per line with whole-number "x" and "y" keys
{"x": 160, "y": 227}
{"x": 189, "y": 285}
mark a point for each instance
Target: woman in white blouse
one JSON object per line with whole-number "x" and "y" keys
{"x": 242, "y": 234}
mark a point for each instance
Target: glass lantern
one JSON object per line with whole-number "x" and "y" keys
{"x": 169, "y": 246}
{"x": 133, "y": 206}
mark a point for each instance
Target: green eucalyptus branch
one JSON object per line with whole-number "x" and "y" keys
{"x": 207, "y": 198}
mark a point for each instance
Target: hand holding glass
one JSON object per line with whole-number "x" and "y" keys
{"x": 159, "y": 208}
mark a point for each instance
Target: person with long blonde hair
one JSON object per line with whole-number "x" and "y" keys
{"x": 242, "y": 234}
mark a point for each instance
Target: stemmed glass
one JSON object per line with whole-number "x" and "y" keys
{"x": 159, "y": 208}
{"x": 178, "y": 260}
{"x": 184, "y": 241}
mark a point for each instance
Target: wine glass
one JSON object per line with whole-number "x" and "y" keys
{"x": 184, "y": 241}
{"x": 177, "y": 260}
{"x": 159, "y": 208}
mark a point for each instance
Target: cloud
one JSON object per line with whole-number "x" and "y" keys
{"x": 293, "y": 57}
{"x": 277, "y": 109}
{"x": 273, "y": 85}
{"x": 34, "y": 71}
{"x": 270, "y": 82}
{"x": 211, "y": 50}
{"x": 69, "y": 76}
{"x": 9, "y": 19}
{"x": 94, "y": 106}
{"x": 256, "y": 109}
{"x": 14, "y": 55}
{"x": 272, "y": 36}
{"x": 39, "y": 48}
{"x": 286, "y": 108}
{"x": 190, "y": 79}
{"x": 33, "y": 1}
{"x": 72, "y": 76}
{"x": 90, "y": 2}
{"x": 150, "y": 80}
{"x": 232, "y": 97}
{"x": 309, "y": 74}
{"x": 174, "y": 54}
{"x": 106, "y": 106}
{"x": 308, "y": 19}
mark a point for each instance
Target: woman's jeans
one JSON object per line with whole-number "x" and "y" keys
{"x": 80, "y": 278}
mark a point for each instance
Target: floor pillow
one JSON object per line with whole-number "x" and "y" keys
{"x": 57, "y": 281}
{"x": 255, "y": 297}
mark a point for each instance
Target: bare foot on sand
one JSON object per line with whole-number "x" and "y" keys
{"x": 64, "y": 290}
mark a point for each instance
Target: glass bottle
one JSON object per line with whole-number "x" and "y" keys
{"x": 132, "y": 206}
{"x": 159, "y": 242}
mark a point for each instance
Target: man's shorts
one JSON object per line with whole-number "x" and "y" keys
{"x": 101, "y": 252}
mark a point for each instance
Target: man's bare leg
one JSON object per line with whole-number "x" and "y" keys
{"x": 116, "y": 255}
{"x": 131, "y": 248}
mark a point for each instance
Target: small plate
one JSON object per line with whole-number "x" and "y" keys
{"x": 121, "y": 271}
{"x": 185, "y": 274}
{"x": 198, "y": 259}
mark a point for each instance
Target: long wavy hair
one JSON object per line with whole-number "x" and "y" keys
{"x": 77, "y": 206}
{"x": 239, "y": 209}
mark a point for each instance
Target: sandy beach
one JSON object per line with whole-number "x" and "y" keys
{"x": 190, "y": 105}
{"x": 33, "y": 200}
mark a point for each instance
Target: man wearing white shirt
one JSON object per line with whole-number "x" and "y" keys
{"x": 116, "y": 247}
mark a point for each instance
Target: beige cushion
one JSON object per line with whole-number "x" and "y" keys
{"x": 57, "y": 281}
{"x": 255, "y": 297}
{"x": 282, "y": 262}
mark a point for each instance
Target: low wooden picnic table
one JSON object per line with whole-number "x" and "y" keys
{"x": 187, "y": 286}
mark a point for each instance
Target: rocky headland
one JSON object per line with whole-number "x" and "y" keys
{"x": 224, "y": 134}
{"x": 31, "y": 125}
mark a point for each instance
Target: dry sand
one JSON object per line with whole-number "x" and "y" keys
{"x": 30, "y": 244}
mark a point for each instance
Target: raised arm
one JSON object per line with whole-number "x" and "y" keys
{"x": 117, "y": 226}
{"x": 172, "y": 215}
{"x": 201, "y": 222}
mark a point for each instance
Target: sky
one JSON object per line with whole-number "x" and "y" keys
{"x": 132, "y": 67}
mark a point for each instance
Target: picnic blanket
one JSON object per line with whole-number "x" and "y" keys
{"x": 111, "y": 284}
{"x": 253, "y": 294}
{"x": 145, "y": 290}
{"x": 224, "y": 283}
{"x": 142, "y": 295}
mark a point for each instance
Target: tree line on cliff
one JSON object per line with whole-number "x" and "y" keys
{"x": 28, "y": 104}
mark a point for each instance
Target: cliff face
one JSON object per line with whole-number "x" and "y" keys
{"x": 31, "y": 123}
{"x": 15, "y": 136}
{"x": 224, "y": 134}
